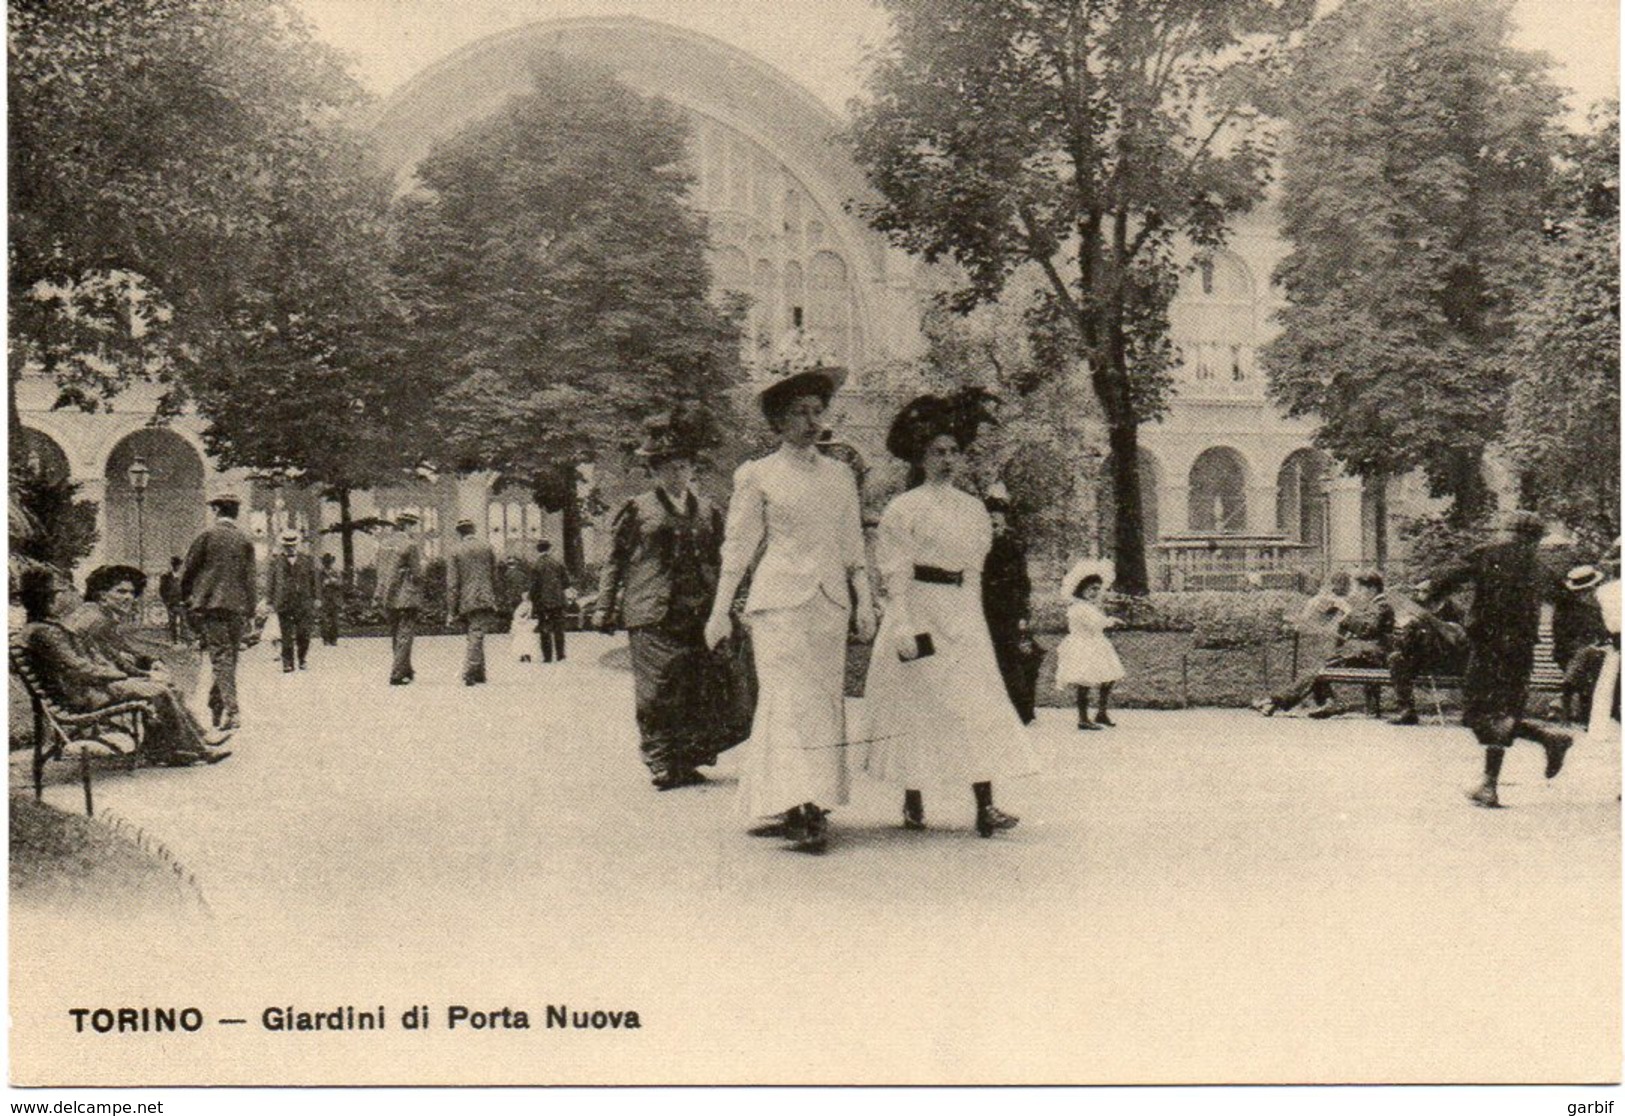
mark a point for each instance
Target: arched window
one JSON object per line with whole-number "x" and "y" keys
{"x": 1213, "y": 324}
{"x": 830, "y": 314}
{"x": 1218, "y": 492}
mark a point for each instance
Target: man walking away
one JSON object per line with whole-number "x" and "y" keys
{"x": 1503, "y": 625}
{"x": 400, "y": 593}
{"x": 471, "y": 596}
{"x": 332, "y": 586}
{"x": 547, "y": 600}
{"x": 217, "y": 585}
{"x": 291, "y": 585}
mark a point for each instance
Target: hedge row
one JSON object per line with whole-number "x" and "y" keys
{"x": 1216, "y": 620}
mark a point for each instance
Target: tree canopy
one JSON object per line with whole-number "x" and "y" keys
{"x": 156, "y": 148}
{"x": 1090, "y": 137}
{"x": 557, "y": 278}
{"x": 1414, "y": 187}
{"x": 1563, "y": 420}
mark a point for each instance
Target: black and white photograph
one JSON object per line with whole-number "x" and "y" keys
{"x": 840, "y": 543}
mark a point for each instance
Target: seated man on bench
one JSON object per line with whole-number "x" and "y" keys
{"x": 1426, "y": 644}
{"x": 81, "y": 680}
{"x": 1363, "y": 639}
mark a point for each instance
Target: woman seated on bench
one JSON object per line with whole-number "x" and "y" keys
{"x": 81, "y": 680}
{"x": 1363, "y": 638}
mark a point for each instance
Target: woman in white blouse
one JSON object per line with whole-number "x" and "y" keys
{"x": 794, "y": 525}
{"x": 937, "y": 707}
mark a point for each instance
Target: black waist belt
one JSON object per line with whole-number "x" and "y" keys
{"x": 935, "y": 576}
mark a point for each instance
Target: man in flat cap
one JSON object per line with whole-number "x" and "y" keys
{"x": 292, "y": 589}
{"x": 400, "y": 592}
{"x": 658, "y": 581}
{"x": 218, "y": 584}
{"x": 471, "y": 595}
{"x": 1503, "y": 625}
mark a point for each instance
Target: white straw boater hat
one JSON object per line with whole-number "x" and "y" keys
{"x": 1102, "y": 568}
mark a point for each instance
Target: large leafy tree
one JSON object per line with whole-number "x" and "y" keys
{"x": 1088, "y": 137}
{"x": 317, "y": 381}
{"x": 1040, "y": 449}
{"x": 1563, "y": 422}
{"x": 1414, "y": 185}
{"x": 558, "y": 281}
{"x": 154, "y": 146}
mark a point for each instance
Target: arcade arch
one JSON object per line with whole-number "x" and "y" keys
{"x": 1218, "y": 492}
{"x": 171, "y": 511}
{"x": 43, "y": 456}
{"x": 1300, "y": 514}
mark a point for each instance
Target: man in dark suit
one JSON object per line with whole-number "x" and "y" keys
{"x": 471, "y": 596}
{"x": 292, "y": 590}
{"x": 1007, "y": 592}
{"x": 400, "y": 593}
{"x": 169, "y": 591}
{"x": 218, "y": 585}
{"x": 659, "y": 580}
{"x": 548, "y": 583}
{"x": 1503, "y": 625}
{"x": 1424, "y": 642}
{"x": 332, "y": 587}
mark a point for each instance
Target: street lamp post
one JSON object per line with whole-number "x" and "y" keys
{"x": 140, "y": 476}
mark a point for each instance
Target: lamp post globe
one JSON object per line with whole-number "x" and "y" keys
{"x": 140, "y": 475}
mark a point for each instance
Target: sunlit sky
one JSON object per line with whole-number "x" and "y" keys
{"x": 822, "y": 43}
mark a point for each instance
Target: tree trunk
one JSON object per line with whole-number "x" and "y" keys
{"x": 570, "y": 510}
{"x": 346, "y": 538}
{"x": 1472, "y": 499}
{"x": 1379, "y": 518}
{"x": 1128, "y": 523}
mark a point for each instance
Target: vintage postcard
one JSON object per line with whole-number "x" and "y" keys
{"x": 860, "y": 542}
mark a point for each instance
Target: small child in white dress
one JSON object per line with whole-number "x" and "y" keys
{"x": 522, "y": 632}
{"x": 1086, "y": 657}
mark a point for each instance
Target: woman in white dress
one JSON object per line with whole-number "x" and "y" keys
{"x": 938, "y": 710}
{"x": 794, "y": 525}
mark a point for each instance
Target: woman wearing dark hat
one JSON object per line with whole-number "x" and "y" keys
{"x": 938, "y": 709}
{"x": 657, "y": 583}
{"x": 793, "y": 524}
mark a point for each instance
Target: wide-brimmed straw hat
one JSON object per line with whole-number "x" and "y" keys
{"x": 1581, "y": 578}
{"x": 1102, "y": 568}
{"x": 821, "y": 381}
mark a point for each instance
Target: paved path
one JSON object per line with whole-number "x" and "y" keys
{"x": 1195, "y": 896}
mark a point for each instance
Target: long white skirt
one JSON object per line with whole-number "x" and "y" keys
{"x": 1603, "y": 728}
{"x": 797, "y": 747}
{"x": 946, "y": 718}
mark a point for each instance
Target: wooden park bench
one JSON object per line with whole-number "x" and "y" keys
{"x": 55, "y": 727}
{"x": 1546, "y": 675}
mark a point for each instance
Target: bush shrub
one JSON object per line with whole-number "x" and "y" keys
{"x": 1217, "y": 620}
